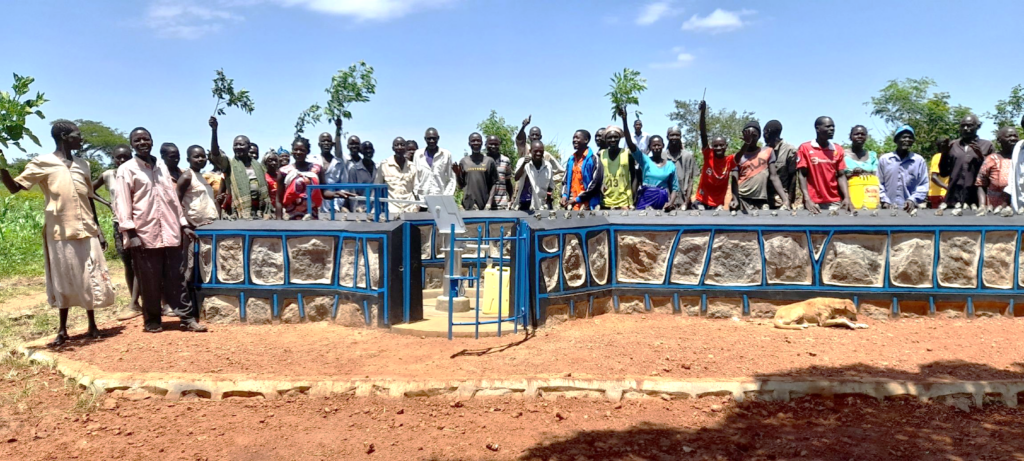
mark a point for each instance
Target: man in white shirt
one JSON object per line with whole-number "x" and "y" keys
{"x": 434, "y": 174}
{"x": 533, "y": 179}
{"x": 640, "y": 137}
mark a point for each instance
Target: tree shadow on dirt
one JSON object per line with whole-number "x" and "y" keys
{"x": 840, "y": 427}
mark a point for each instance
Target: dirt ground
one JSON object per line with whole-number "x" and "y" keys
{"x": 610, "y": 346}
{"x": 42, "y": 419}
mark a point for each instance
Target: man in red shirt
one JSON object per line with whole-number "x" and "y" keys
{"x": 821, "y": 163}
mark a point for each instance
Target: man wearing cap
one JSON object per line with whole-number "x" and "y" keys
{"x": 902, "y": 175}
{"x": 754, "y": 169}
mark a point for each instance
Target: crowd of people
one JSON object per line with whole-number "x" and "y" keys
{"x": 628, "y": 169}
{"x": 157, "y": 205}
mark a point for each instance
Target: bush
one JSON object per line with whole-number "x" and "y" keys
{"x": 21, "y": 235}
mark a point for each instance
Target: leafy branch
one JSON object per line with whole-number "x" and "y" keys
{"x": 348, "y": 86}
{"x": 625, "y": 90}
{"x": 14, "y": 112}
{"x": 224, "y": 91}
{"x": 308, "y": 117}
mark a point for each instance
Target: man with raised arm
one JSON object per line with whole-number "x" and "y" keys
{"x": 821, "y": 163}
{"x": 244, "y": 178}
{"x": 961, "y": 159}
{"x": 714, "y": 175}
{"x": 76, "y": 271}
{"x": 523, "y": 147}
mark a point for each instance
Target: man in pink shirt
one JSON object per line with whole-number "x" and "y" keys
{"x": 151, "y": 222}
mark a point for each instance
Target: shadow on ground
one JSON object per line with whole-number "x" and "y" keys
{"x": 840, "y": 427}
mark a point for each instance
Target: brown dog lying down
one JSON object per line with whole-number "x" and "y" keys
{"x": 824, "y": 312}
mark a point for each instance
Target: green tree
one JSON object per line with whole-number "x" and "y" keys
{"x": 495, "y": 125}
{"x": 724, "y": 122}
{"x": 1008, "y": 111}
{"x": 99, "y": 141}
{"x": 14, "y": 113}
{"x": 625, "y": 90}
{"x": 908, "y": 102}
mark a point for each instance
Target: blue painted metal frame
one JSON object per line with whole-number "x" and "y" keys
{"x": 371, "y": 192}
{"x": 334, "y": 285}
{"x": 816, "y": 285}
{"x": 519, "y": 300}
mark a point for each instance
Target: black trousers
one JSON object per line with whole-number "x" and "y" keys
{"x": 161, "y": 275}
{"x": 126, "y": 259}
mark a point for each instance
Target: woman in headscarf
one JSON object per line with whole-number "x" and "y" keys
{"x": 658, "y": 185}
{"x": 292, "y": 182}
{"x": 270, "y": 165}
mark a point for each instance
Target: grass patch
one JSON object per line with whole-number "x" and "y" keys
{"x": 21, "y": 235}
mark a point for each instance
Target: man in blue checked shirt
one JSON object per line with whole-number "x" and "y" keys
{"x": 903, "y": 175}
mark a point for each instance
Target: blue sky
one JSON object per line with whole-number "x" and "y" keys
{"x": 447, "y": 63}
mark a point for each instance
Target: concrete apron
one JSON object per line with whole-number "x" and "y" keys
{"x": 174, "y": 386}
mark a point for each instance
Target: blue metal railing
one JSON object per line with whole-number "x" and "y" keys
{"x": 517, "y": 300}
{"x": 816, "y": 284}
{"x": 372, "y": 194}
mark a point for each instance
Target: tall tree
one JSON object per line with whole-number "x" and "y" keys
{"x": 495, "y": 125}
{"x": 724, "y": 122}
{"x": 908, "y": 102}
{"x": 14, "y": 113}
{"x": 1008, "y": 111}
{"x": 99, "y": 140}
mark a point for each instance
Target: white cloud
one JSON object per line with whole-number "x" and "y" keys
{"x": 190, "y": 19}
{"x": 718, "y": 21}
{"x": 683, "y": 59}
{"x": 652, "y": 12}
{"x": 185, "y": 19}
{"x": 366, "y": 9}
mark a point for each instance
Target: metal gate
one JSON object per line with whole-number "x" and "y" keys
{"x": 516, "y": 260}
